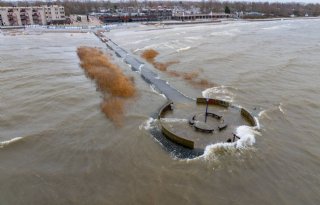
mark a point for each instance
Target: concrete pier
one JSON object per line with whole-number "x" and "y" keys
{"x": 148, "y": 75}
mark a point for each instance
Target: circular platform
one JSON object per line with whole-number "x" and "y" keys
{"x": 198, "y": 128}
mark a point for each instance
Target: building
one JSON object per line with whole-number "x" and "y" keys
{"x": 131, "y": 14}
{"x": 159, "y": 13}
{"x": 43, "y": 15}
{"x": 190, "y": 17}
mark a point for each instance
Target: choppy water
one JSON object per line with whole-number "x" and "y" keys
{"x": 57, "y": 148}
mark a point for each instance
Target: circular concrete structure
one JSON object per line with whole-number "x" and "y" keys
{"x": 190, "y": 129}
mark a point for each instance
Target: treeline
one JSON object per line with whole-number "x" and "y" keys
{"x": 269, "y": 9}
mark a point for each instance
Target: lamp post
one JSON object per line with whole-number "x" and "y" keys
{"x": 205, "y": 117}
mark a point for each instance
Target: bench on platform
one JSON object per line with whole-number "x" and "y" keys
{"x": 203, "y": 127}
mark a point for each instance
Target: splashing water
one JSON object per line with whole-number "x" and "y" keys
{"x": 219, "y": 92}
{"x": 7, "y": 142}
{"x": 148, "y": 124}
{"x": 246, "y": 141}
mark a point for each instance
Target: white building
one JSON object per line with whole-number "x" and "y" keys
{"x": 43, "y": 15}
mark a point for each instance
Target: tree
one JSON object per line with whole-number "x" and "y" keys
{"x": 227, "y": 10}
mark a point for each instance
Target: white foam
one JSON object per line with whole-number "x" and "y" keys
{"x": 138, "y": 49}
{"x": 210, "y": 152}
{"x": 140, "y": 67}
{"x": 280, "y": 108}
{"x": 174, "y": 120}
{"x": 155, "y": 91}
{"x": 219, "y": 92}
{"x": 246, "y": 134}
{"x": 262, "y": 113}
{"x": 7, "y": 142}
{"x": 194, "y": 38}
{"x": 183, "y": 49}
{"x": 231, "y": 32}
{"x": 257, "y": 123}
{"x": 247, "y": 140}
{"x": 148, "y": 124}
{"x": 144, "y": 48}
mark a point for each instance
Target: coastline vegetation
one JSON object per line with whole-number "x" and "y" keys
{"x": 110, "y": 80}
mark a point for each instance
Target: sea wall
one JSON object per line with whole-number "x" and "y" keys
{"x": 248, "y": 116}
{"x": 168, "y": 133}
{"x": 213, "y": 102}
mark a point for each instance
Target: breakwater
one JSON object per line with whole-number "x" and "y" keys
{"x": 145, "y": 71}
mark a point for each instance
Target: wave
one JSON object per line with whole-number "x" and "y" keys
{"x": 219, "y": 92}
{"x": 153, "y": 88}
{"x": 246, "y": 141}
{"x": 264, "y": 113}
{"x": 247, "y": 136}
{"x": 194, "y": 38}
{"x": 140, "y": 67}
{"x": 5, "y": 70}
{"x": 277, "y": 27}
{"x": 280, "y": 108}
{"x": 183, "y": 49}
{"x": 256, "y": 119}
{"x": 148, "y": 124}
{"x": 8, "y": 142}
{"x": 232, "y": 32}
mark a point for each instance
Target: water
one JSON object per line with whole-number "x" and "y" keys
{"x": 57, "y": 148}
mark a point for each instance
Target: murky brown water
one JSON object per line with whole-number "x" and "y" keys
{"x": 58, "y": 148}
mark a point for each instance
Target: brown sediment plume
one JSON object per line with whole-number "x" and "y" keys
{"x": 174, "y": 73}
{"x": 162, "y": 66}
{"x": 191, "y": 77}
{"x": 149, "y": 55}
{"x": 202, "y": 83}
{"x": 113, "y": 108}
{"x": 108, "y": 76}
{"x": 109, "y": 79}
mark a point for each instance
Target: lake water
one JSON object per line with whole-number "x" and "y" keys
{"x": 56, "y": 147}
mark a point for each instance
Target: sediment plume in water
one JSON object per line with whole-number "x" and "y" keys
{"x": 113, "y": 108}
{"x": 164, "y": 66}
{"x": 191, "y": 77}
{"x": 109, "y": 79}
{"x": 150, "y": 54}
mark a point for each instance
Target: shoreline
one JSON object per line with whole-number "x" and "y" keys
{"x": 281, "y": 19}
{"x": 88, "y": 28}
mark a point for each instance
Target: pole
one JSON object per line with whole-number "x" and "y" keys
{"x": 205, "y": 119}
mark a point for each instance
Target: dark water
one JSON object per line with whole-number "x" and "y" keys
{"x": 57, "y": 148}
